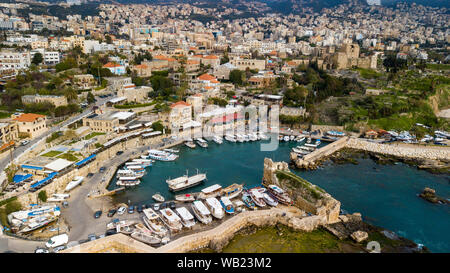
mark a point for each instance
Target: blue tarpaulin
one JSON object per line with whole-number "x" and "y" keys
{"x": 50, "y": 176}
{"x": 79, "y": 163}
{"x": 19, "y": 178}
{"x": 32, "y": 167}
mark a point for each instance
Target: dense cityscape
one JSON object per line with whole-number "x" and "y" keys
{"x": 201, "y": 126}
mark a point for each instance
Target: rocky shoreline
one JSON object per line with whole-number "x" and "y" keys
{"x": 430, "y": 195}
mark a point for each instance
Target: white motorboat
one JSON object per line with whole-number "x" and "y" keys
{"x": 286, "y": 138}
{"x": 174, "y": 151}
{"x": 190, "y": 144}
{"x": 230, "y": 138}
{"x": 161, "y": 155}
{"x": 58, "y": 197}
{"x": 211, "y": 191}
{"x": 154, "y": 222}
{"x": 263, "y": 136}
{"x": 232, "y": 191}
{"x": 158, "y": 197}
{"x": 185, "y": 181}
{"x": 186, "y": 217}
{"x": 128, "y": 181}
{"x": 188, "y": 197}
{"x": 253, "y": 137}
{"x": 201, "y": 212}
{"x": 217, "y": 139}
{"x": 202, "y": 143}
{"x": 269, "y": 200}
{"x": 145, "y": 237}
{"x": 129, "y": 173}
{"x": 75, "y": 182}
{"x": 240, "y": 138}
{"x": 172, "y": 221}
{"x": 215, "y": 207}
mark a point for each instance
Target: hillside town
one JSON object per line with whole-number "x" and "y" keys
{"x": 96, "y": 94}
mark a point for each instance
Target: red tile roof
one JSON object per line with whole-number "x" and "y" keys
{"x": 179, "y": 104}
{"x": 28, "y": 117}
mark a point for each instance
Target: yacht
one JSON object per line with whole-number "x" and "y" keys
{"x": 257, "y": 197}
{"x": 227, "y": 205}
{"x": 186, "y": 217}
{"x": 279, "y": 194}
{"x": 185, "y": 181}
{"x": 128, "y": 181}
{"x": 202, "y": 143}
{"x": 189, "y": 143}
{"x": 230, "y": 138}
{"x": 128, "y": 173}
{"x": 161, "y": 155}
{"x": 75, "y": 182}
{"x": 201, "y": 212}
{"x": 217, "y": 139}
{"x": 143, "y": 162}
{"x": 154, "y": 222}
{"x": 211, "y": 191}
{"x": 232, "y": 191}
{"x": 171, "y": 220}
{"x": 135, "y": 168}
{"x": 215, "y": 207}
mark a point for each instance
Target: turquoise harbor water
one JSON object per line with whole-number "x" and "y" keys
{"x": 386, "y": 195}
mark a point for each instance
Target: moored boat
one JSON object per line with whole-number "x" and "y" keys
{"x": 201, "y": 212}
{"x": 154, "y": 222}
{"x": 172, "y": 221}
{"x": 188, "y": 197}
{"x": 227, "y": 205}
{"x": 75, "y": 182}
{"x": 185, "y": 181}
{"x": 248, "y": 201}
{"x": 279, "y": 194}
{"x": 161, "y": 155}
{"x": 186, "y": 217}
{"x": 189, "y": 143}
{"x": 211, "y": 191}
{"x": 230, "y": 138}
{"x": 232, "y": 191}
{"x": 158, "y": 197}
{"x": 271, "y": 201}
{"x": 215, "y": 207}
{"x": 257, "y": 197}
{"x": 217, "y": 139}
{"x": 202, "y": 143}
{"x": 145, "y": 237}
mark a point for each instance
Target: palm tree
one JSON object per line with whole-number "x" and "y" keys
{"x": 70, "y": 94}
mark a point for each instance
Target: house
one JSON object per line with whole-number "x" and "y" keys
{"x": 14, "y": 61}
{"x": 133, "y": 93}
{"x": 31, "y": 125}
{"x": 115, "y": 68}
{"x": 180, "y": 113}
{"x": 55, "y": 100}
{"x": 84, "y": 81}
{"x": 8, "y": 132}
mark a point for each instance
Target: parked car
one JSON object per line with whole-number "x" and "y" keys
{"x": 140, "y": 208}
{"x": 131, "y": 209}
{"x": 97, "y": 214}
{"x": 59, "y": 248}
{"x": 102, "y": 169}
{"x": 156, "y": 206}
{"x": 92, "y": 237}
{"x": 111, "y": 212}
{"x": 121, "y": 210}
{"x": 24, "y": 142}
{"x": 172, "y": 205}
{"x": 65, "y": 204}
{"x": 119, "y": 153}
{"x": 110, "y": 232}
{"x": 90, "y": 175}
{"x": 41, "y": 250}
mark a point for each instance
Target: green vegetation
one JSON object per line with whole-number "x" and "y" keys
{"x": 11, "y": 205}
{"x": 52, "y": 154}
{"x": 368, "y": 73}
{"x": 218, "y": 101}
{"x": 53, "y": 136}
{"x": 42, "y": 195}
{"x": 69, "y": 156}
{"x": 136, "y": 105}
{"x": 237, "y": 76}
{"x": 93, "y": 134}
{"x": 157, "y": 126}
{"x": 438, "y": 66}
{"x": 314, "y": 190}
{"x": 4, "y": 115}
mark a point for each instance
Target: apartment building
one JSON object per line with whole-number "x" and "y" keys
{"x": 180, "y": 113}
{"x": 31, "y": 125}
{"x": 243, "y": 64}
{"x": 8, "y": 132}
{"x": 13, "y": 60}
{"x": 55, "y": 100}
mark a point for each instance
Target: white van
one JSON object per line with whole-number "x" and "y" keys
{"x": 58, "y": 240}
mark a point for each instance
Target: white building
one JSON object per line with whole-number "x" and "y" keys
{"x": 13, "y": 60}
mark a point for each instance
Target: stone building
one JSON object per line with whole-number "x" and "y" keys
{"x": 31, "y": 125}
{"x": 55, "y": 100}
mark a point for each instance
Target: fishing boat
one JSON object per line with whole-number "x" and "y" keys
{"x": 128, "y": 181}
{"x": 257, "y": 197}
{"x": 129, "y": 173}
{"x": 188, "y": 197}
{"x": 201, "y": 212}
{"x": 202, "y": 143}
{"x": 161, "y": 155}
{"x": 114, "y": 224}
{"x": 315, "y": 145}
{"x": 58, "y": 197}
{"x": 172, "y": 221}
{"x": 135, "y": 168}
{"x": 190, "y": 144}
{"x": 211, "y": 191}
{"x": 215, "y": 207}
{"x": 75, "y": 182}
{"x": 232, "y": 191}
{"x": 145, "y": 237}
{"x": 185, "y": 181}
{"x": 154, "y": 222}
{"x": 217, "y": 139}
{"x": 174, "y": 151}
{"x": 300, "y": 139}
{"x": 248, "y": 200}
{"x": 227, "y": 205}
{"x": 125, "y": 228}
{"x": 271, "y": 201}
{"x": 158, "y": 197}
{"x": 279, "y": 194}
{"x": 187, "y": 220}
{"x": 230, "y": 138}
{"x": 37, "y": 223}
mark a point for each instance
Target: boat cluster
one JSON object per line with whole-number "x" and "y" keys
{"x": 406, "y": 137}
{"x": 287, "y": 138}
{"x": 132, "y": 171}
{"x": 25, "y": 221}
{"x": 306, "y": 147}
{"x": 192, "y": 143}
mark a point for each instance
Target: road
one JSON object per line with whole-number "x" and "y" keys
{"x": 22, "y": 149}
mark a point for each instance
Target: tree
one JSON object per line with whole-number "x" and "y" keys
{"x": 157, "y": 126}
{"x": 70, "y": 94}
{"x": 42, "y": 195}
{"x": 37, "y": 59}
{"x": 108, "y": 39}
{"x": 90, "y": 98}
{"x": 237, "y": 76}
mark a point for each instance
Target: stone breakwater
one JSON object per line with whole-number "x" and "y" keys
{"x": 425, "y": 156}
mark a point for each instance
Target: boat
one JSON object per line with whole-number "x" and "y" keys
{"x": 246, "y": 138}
{"x": 335, "y": 133}
{"x": 217, "y": 139}
{"x": 161, "y": 155}
{"x": 154, "y": 222}
{"x": 240, "y": 138}
{"x": 202, "y": 143}
{"x": 189, "y": 143}
{"x": 315, "y": 145}
{"x": 227, "y": 205}
{"x": 230, "y": 138}
{"x": 248, "y": 200}
{"x": 329, "y": 138}
{"x": 188, "y": 197}
{"x": 58, "y": 197}
{"x": 37, "y": 223}
{"x": 114, "y": 224}
{"x": 262, "y": 136}
{"x": 75, "y": 182}
{"x": 300, "y": 139}
{"x": 271, "y": 201}
{"x": 257, "y": 197}
{"x": 128, "y": 181}
{"x": 292, "y": 137}
{"x": 145, "y": 237}
{"x": 125, "y": 227}
{"x": 232, "y": 191}
{"x": 187, "y": 220}
{"x": 158, "y": 197}
{"x": 137, "y": 168}
{"x": 174, "y": 151}
{"x": 253, "y": 137}
{"x": 201, "y": 212}
{"x": 128, "y": 173}
{"x": 185, "y": 181}
{"x": 144, "y": 162}
{"x": 172, "y": 221}
{"x": 286, "y": 138}
{"x": 300, "y": 151}
{"x": 215, "y": 207}
{"x": 279, "y": 194}
{"x": 211, "y": 191}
